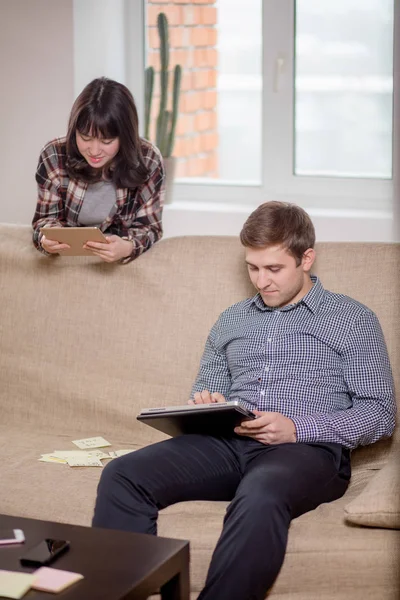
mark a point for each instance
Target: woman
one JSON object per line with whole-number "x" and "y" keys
{"x": 101, "y": 174}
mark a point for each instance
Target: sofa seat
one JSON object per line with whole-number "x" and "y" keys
{"x": 319, "y": 537}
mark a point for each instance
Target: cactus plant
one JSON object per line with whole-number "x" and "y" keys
{"x": 166, "y": 120}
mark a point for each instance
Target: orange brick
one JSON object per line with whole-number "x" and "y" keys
{"x": 205, "y": 57}
{"x": 196, "y": 144}
{"x": 202, "y": 121}
{"x": 154, "y": 40}
{"x": 203, "y": 36}
{"x": 180, "y": 37}
{"x": 180, "y": 57}
{"x": 199, "y": 36}
{"x": 200, "y": 80}
{"x": 191, "y": 102}
{"x": 208, "y": 15}
{"x": 211, "y": 57}
{"x": 154, "y": 109}
{"x": 200, "y": 57}
{"x": 181, "y": 168}
{"x": 191, "y": 15}
{"x": 187, "y": 81}
{"x": 180, "y": 147}
{"x": 153, "y": 59}
{"x": 213, "y": 120}
{"x": 184, "y": 124}
{"x": 189, "y": 144}
{"x": 152, "y": 12}
{"x": 210, "y": 100}
{"x": 197, "y": 167}
{"x": 152, "y": 130}
{"x": 212, "y": 36}
{"x": 209, "y": 141}
{"x": 212, "y": 78}
{"x": 212, "y": 162}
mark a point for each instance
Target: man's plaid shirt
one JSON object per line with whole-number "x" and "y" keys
{"x": 136, "y": 214}
{"x": 321, "y": 362}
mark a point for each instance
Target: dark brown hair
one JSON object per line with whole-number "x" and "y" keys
{"x": 106, "y": 109}
{"x": 279, "y": 223}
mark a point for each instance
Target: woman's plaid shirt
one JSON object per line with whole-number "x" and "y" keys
{"x": 136, "y": 214}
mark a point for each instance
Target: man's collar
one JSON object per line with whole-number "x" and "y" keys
{"x": 312, "y": 299}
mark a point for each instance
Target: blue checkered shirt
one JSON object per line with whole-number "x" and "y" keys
{"x": 322, "y": 362}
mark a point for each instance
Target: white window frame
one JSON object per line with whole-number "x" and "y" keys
{"x": 278, "y": 181}
{"x": 322, "y": 196}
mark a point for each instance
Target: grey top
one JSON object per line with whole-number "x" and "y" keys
{"x": 97, "y": 203}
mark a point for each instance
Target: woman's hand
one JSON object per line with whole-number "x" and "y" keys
{"x": 115, "y": 248}
{"x": 51, "y": 246}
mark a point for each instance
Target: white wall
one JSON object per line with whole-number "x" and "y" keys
{"x": 101, "y": 44}
{"x": 192, "y": 218}
{"x": 36, "y": 74}
{"x": 43, "y": 67}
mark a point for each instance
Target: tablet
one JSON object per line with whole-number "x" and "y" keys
{"x": 76, "y": 237}
{"x": 218, "y": 418}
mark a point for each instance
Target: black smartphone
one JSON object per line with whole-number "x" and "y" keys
{"x": 44, "y": 553}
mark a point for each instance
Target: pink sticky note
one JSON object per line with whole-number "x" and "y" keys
{"x": 54, "y": 580}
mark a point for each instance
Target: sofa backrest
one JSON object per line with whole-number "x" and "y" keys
{"x": 85, "y": 345}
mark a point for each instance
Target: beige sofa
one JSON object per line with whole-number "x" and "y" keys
{"x": 85, "y": 345}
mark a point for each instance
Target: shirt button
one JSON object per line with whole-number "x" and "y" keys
{"x": 267, "y": 368}
{"x": 269, "y": 340}
{"x": 262, "y": 393}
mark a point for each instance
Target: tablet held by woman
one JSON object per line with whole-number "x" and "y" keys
{"x": 101, "y": 174}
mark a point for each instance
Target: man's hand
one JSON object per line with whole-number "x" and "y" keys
{"x": 205, "y": 397}
{"x": 51, "y": 246}
{"x": 115, "y": 248}
{"x": 269, "y": 428}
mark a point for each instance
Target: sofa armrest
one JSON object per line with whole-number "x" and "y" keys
{"x": 378, "y": 505}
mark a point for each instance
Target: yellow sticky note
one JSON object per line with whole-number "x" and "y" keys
{"x": 84, "y": 462}
{"x": 53, "y": 459}
{"x": 116, "y": 453}
{"x": 94, "y": 442}
{"x": 66, "y": 454}
{"x": 15, "y": 585}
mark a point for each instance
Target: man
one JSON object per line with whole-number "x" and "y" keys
{"x": 314, "y": 367}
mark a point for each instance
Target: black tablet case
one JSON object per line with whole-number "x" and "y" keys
{"x": 218, "y": 421}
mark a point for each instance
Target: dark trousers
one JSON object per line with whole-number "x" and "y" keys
{"x": 267, "y": 486}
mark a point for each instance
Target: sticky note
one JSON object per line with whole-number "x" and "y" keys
{"x": 15, "y": 585}
{"x": 54, "y": 580}
{"x": 94, "y": 442}
{"x": 66, "y": 454}
{"x": 77, "y": 461}
{"x": 116, "y": 453}
{"x": 52, "y": 459}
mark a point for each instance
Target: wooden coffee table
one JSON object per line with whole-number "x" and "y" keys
{"x": 116, "y": 565}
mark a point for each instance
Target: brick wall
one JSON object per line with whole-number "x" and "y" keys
{"x": 193, "y": 37}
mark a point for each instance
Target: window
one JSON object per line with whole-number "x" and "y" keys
{"x": 344, "y": 88}
{"x": 302, "y": 105}
{"x": 219, "y": 46}
{"x": 281, "y": 99}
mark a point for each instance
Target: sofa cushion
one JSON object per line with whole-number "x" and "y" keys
{"x": 378, "y": 505}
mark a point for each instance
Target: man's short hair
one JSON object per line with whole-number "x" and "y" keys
{"x": 279, "y": 223}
